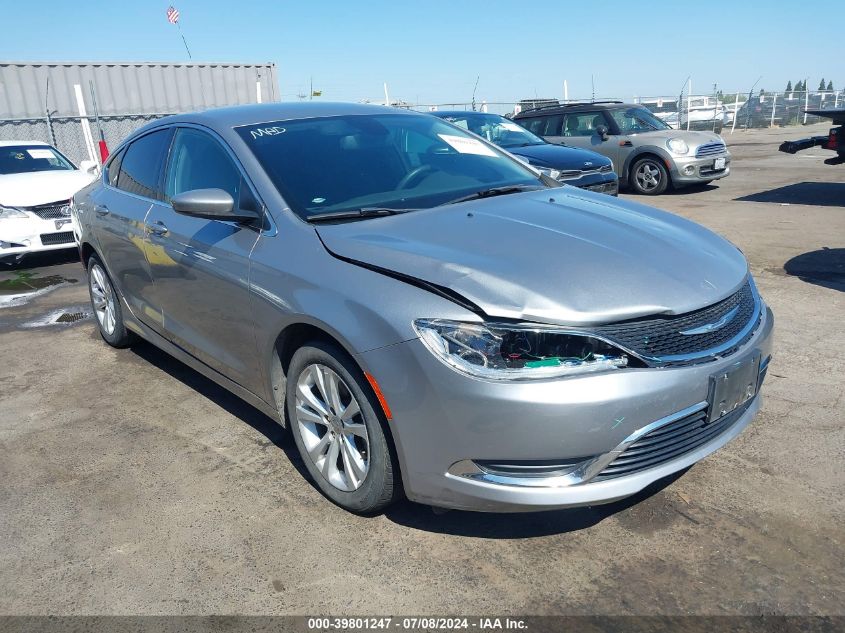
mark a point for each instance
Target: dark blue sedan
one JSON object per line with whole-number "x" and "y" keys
{"x": 577, "y": 167}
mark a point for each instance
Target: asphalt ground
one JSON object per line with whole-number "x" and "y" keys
{"x": 133, "y": 485}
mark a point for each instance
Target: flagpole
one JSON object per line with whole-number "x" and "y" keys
{"x": 184, "y": 41}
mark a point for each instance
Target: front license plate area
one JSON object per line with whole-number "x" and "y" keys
{"x": 733, "y": 387}
{"x": 719, "y": 163}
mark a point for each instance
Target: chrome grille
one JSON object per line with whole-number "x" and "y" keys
{"x": 50, "y": 239}
{"x": 661, "y": 338}
{"x": 668, "y": 442}
{"x": 51, "y": 211}
{"x": 710, "y": 149}
{"x": 569, "y": 174}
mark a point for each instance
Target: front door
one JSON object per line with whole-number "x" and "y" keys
{"x": 580, "y": 129}
{"x": 201, "y": 266}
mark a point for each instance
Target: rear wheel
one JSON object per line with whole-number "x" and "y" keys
{"x": 649, "y": 176}
{"x": 337, "y": 430}
{"x": 106, "y": 305}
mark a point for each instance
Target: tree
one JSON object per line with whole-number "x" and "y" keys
{"x": 830, "y": 85}
{"x": 789, "y": 86}
{"x": 821, "y": 84}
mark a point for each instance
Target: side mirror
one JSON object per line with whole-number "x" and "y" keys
{"x": 211, "y": 204}
{"x": 89, "y": 166}
{"x": 602, "y": 131}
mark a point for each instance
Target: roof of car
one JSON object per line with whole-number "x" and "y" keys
{"x": 580, "y": 105}
{"x": 8, "y": 143}
{"x": 442, "y": 113}
{"x": 235, "y": 116}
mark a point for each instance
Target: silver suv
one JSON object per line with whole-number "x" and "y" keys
{"x": 648, "y": 154}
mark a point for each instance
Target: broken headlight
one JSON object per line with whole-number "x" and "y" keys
{"x": 513, "y": 352}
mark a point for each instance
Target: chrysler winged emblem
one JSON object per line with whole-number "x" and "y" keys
{"x": 709, "y": 327}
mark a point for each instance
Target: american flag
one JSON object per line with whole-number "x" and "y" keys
{"x": 173, "y": 15}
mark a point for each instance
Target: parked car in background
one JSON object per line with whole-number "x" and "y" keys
{"x": 426, "y": 313}
{"x": 648, "y": 154}
{"x": 36, "y": 186}
{"x": 568, "y": 165}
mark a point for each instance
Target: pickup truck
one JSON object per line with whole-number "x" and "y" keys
{"x": 835, "y": 139}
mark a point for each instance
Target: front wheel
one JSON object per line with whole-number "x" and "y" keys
{"x": 339, "y": 435}
{"x": 649, "y": 176}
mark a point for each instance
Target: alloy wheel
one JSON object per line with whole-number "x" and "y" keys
{"x": 332, "y": 427}
{"x": 103, "y": 299}
{"x": 648, "y": 176}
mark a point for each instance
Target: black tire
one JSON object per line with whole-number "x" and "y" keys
{"x": 116, "y": 335}
{"x": 649, "y": 176}
{"x": 381, "y": 485}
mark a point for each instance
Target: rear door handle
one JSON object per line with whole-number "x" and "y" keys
{"x": 157, "y": 228}
{"x": 101, "y": 209}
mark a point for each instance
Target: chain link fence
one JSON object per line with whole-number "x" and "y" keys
{"x": 716, "y": 112}
{"x": 68, "y": 134}
{"x": 701, "y": 112}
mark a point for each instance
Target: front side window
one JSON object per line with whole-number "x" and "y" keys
{"x": 583, "y": 123}
{"x": 633, "y": 120}
{"x": 141, "y": 165}
{"x": 496, "y": 129}
{"x": 397, "y": 161}
{"x": 197, "y": 161}
{"x": 24, "y": 158}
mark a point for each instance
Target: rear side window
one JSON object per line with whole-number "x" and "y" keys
{"x": 197, "y": 161}
{"x": 141, "y": 164}
{"x": 113, "y": 168}
{"x": 535, "y": 125}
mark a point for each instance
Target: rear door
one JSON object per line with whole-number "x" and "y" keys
{"x": 201, "y": 266}
{"x": 131, "y": 187}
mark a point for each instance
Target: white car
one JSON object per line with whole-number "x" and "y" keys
{"x": 36, "y": 186}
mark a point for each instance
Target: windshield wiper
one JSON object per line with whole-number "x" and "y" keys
{"x": 494, "y": 191}
{"x": 354, "y": 214}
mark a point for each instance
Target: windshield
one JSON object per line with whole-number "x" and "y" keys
{"x": 22, "y": 159}
{"x": 396, "y": 161}
{"x": 633, "y": 120}
{"x": 496, "y": 129}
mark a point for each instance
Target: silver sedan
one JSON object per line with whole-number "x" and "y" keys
{"x": 427, "y": 315}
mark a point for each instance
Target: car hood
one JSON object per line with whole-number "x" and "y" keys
{"x": 559, "y": 157}
{"x": 41, "y": 187}
{"x": 560, "y": 256}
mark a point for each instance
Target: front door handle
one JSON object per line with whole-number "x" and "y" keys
{"x": 157, "y": 228}
{"x": 101, "y": 209}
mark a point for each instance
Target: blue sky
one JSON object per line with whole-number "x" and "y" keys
{"x": 432, "y": 52}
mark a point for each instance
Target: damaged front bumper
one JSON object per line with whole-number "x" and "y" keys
{"x": 19, "y": 236}
{"x": 471, "y": 444}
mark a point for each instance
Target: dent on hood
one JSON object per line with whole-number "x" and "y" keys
{"x": 572, "y": 259}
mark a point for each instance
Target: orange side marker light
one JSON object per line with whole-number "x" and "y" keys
{"x": 379, "y": 395}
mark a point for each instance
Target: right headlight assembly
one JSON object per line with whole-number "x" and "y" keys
{"x": 11, "y": 212}
{"x": 513, "y": 352}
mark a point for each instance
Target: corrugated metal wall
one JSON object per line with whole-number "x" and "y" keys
{"x": 128, "y": 96}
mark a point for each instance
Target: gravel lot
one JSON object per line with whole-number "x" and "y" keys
{"x": 131, "y": 484}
